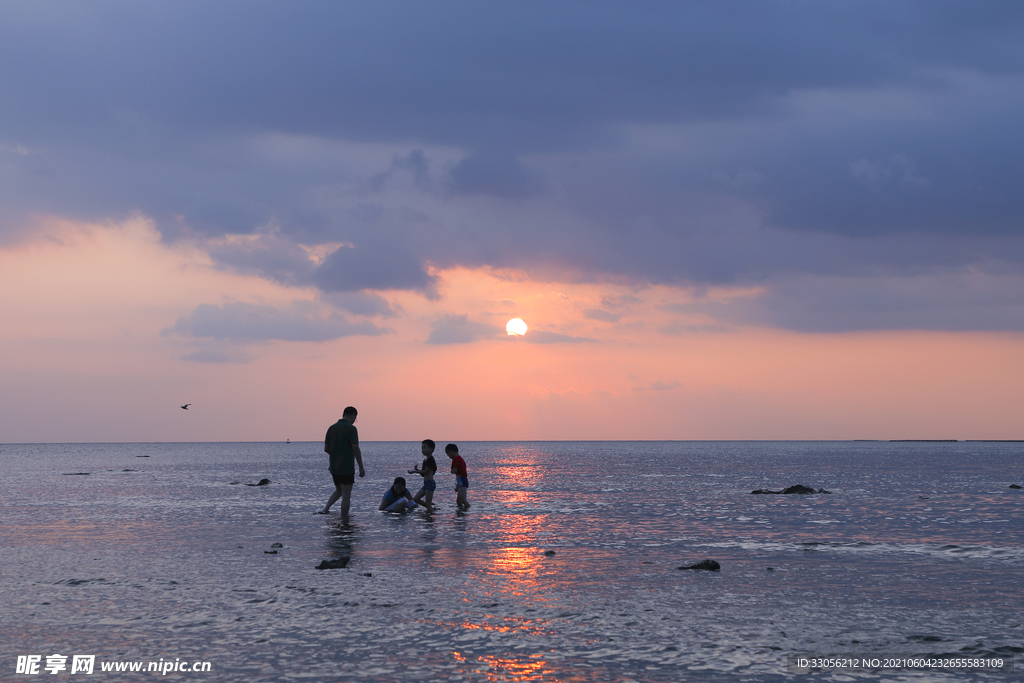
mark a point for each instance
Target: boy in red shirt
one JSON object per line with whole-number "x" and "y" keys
{"x": 461, "y": 478}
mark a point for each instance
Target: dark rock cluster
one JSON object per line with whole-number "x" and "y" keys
{"x": 704, "y": 565}
{"x": 799, "y": 488}
{"x": 333, "y": 564}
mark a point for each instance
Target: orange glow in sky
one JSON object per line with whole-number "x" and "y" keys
{"x": 86, "y": 355}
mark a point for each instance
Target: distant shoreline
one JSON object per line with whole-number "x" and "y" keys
{"x": 525, "y": 441}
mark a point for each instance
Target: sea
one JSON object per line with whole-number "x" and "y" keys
{"x": 146, "y": 561}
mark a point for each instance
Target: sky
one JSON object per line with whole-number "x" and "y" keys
{"x": 720, "y": 220}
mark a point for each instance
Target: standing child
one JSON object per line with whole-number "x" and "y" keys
{"x": 461, "y": 478}
{"x": 427, "y": 471}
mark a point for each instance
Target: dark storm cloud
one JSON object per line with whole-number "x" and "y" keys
{"x": 414, "y": 162}
{"x": 498, "y": 175}
{"x": 974, "y": 302}
{"x": 733, "y": 142}
{"x": 243, "y": 323}
{"x": 523, "y": 76}
{"x": 377, "y": 267}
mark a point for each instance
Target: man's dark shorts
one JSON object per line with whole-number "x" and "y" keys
{"x": 343, "y": 479}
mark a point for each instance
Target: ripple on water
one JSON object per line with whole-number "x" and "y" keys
{"x": 171, "y": 559}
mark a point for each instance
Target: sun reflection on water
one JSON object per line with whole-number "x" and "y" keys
{"x": 523, "y": 562}
{"x": 518, "y": 624}
{"x": 510, "y": 669}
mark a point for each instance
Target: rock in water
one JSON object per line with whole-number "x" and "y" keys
{"x": 1014, "y": 486}
{"x": 333, "y": 564}
{"x": 799, "y": 488}
{"x": 263, "y": 482}
{"x": 549, "y": 553}
{"x": 705, "y": 565}
{"x": 276, "y": 545}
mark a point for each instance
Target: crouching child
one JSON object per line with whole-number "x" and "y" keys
{"x": 397, "y": 498}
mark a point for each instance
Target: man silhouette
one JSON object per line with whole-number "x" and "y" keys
{"x": 342, "y": 444}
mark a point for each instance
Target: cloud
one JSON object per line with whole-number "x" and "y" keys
{"x": 459, "y": 329}
{"x": 349, "y": 269}
{"x": 415, "y": 162}
{"x": 971, "y": 300}
{"x": 546, "y": 337}
{"x": 216, "y": 355}
{"x": 659, "y": 385}
{"x": 601, "y": 314}
{"x": 899, "y": 169}
{"x": 362, "y": 303}
{"x": 243, "y": 323}
{"x": 686, "y": 327}
{"x": 499, "y": 175}
{"x": 620, "y": 301}
{"x": 668, "y": 143}
{"x": 267, "y": 255}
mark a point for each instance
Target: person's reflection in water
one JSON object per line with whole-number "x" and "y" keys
{"x": 458, "y": 542}
{"x": 428, "y": 534}
{"x": 341, "y": 539}
{"x": 460, "y": 523}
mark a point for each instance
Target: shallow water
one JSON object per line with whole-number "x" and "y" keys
{"x": 918, "y": 550}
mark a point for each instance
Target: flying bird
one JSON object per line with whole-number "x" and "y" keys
{"x": 185, "y": 407}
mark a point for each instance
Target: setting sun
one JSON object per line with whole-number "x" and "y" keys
{"x": 515, "y": 327}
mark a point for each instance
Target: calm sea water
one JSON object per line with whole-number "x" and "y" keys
{"x": 160, "y": 552}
